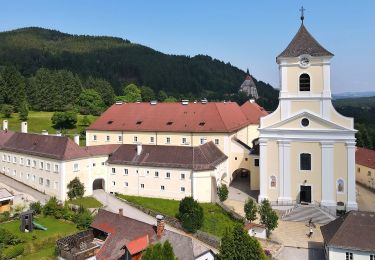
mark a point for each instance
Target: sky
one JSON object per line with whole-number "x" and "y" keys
{"x": 247, "y": 34}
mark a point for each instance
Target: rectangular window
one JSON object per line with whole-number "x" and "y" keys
{"x": 4, "y": 157}
{"x": 113, "y": 170}
{"x": 142, "y": 186}
{"x": 359, "y": 169}
{"x": 47, "y": 182}
{"x": 113, "y": 183}
{"x": 305, "y": 162}
{"x": 14, "y": 172}
{"x": 135, "y": 139}
{"x": 182, "y": 176}
{"x": 94, "y": 164}
{"x": 203, "y": 140}
{"x": 372, "y": 257}
{"x": 14, "y": 159}
{"x": 368, "y": 173}
{"x": 182, "y": 189}
{"x": 56, "y": 168}
{"x": 126, "y": 184}
{"x": 41, "y": 181}
{"x": 216, "y": 141}
{"x": 9, "y": 158}
{"x": 156, "y": 174}
{"x": 349, "y": 256}
{"x": 75, "y": 167}
{"x": 162, "y": 187}
{"x": 27, "y": 176}
{"x": 168, "y": 140}
{"x": 256, "y": 162}
{"x": 126, "y": 171}
{"x": 184, "y": 140}
{"x": 48, "y": 166}
{"x": 108, "y": 138}
{"x": 120, "y": 138}
{"x": 28, "y": 162}
{"x": 41, "y": 165}
{"x": 21, "y": 161}
{"x": 152, "y": 139}
{"x": 33, "y": 178}
{"x": 34, "y": 164}
{"x": 168, "y": 175}
{"x": 94, "y": 138}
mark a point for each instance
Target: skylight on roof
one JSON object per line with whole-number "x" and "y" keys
{"x": 139, "y": 122}
{"x": 169, "y": 123}
{"x": 202, "y": 123}
{"x": 110, "y": 122}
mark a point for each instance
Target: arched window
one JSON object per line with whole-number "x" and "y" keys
{"x": 340, "y": 185}
{"x": 304, "y": 82}
{"x": 305, "y": 161}
{"x": 273, "y": 181}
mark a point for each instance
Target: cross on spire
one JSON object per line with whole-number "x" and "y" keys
{"x": 302, "y": 13}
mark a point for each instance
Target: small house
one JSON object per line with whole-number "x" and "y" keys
{"x": 6, "y": 200}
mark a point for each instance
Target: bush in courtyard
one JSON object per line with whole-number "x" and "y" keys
{"x": 37, "y": 207}
{"x": 7, "y": 238}
{"x": 7, "y": 110}
{"x": 53, "y": 208}
{"x": 250, "y": 209}
{"x": 83, "y": 218}
{"x": 190, "y": 214}
{"x": 268, "y": 216}
{"x": 159, "y": 252}
{"x": 76, "y": 189}
{"x": 237, "y": 244}
{"x": 222, "y": 192}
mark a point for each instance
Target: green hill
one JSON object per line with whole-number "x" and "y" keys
{"x": 121, "y": 62}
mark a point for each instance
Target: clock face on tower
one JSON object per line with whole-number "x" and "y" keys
{"x": 304, "y": 61}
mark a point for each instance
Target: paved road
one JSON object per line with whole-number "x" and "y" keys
{"x": 293, "y": 253}
{"x": 22, "y": 188}
{"x": 365, "y": 199}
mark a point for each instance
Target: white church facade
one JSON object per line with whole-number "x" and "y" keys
{"x": 307, "y": 149}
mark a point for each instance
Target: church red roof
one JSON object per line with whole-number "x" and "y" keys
{"x": 219, "y": 117}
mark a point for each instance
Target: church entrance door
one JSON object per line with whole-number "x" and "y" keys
{"x": 305, "y": 194}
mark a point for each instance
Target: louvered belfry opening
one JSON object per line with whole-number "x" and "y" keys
{"x": 304, "y": 82}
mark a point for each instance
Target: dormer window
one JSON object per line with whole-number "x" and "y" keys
{"x": 304, "y": 82}
{"x": 139, "y": 122}
{"x": 169, "y": 123}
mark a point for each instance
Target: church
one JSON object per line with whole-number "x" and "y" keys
{"x": 307, "y": 149}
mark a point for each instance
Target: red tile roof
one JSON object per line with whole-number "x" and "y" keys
{"x": 138, "y": 245}
{"x": 105, "y": 149}
{"x": 365, "y": 157}
{"x": 4, "y": 136}
{"x": 216, "y": 117}
{"x": 253, "y": 112}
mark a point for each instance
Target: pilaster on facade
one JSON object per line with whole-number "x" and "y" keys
{"x": 62, "y": 181}
{"x": 352, "y": 199}
{"x": 285, "y": 170}
{"x": 263, "y": 169}
{"x": 328, "y": 184}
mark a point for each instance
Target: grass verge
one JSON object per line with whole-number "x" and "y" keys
{"x": 86, "y": 202}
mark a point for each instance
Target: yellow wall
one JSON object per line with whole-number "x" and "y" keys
{"x": 254, "y": 173}
{"x": 4, "y": 206}
{"x": 298, "y": 106}
{"x": 365, "y": 175}
{"x": 316, "y": 79}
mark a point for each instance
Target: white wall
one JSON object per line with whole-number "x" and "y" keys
{"x": 339, "y": 254}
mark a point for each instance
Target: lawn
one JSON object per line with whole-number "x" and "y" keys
{"x": 86, "y": 202}
{"x": 215, "y": 222}
{"x": 39, "y": 121}
{"x": 41, "y": 244}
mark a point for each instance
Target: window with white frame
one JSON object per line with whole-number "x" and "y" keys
{"x": 203, "y": 140}
{"x": 113, "y": 170}
{"x": 152, "y": 139}
{"x": 156, "y": 174}
{"x": 94, "y": 138}
{"x": 14, "y": 172}
{"x": 41, "y": 165}
{"x": 14, "y": 159}
{"x": 168, "y": 140}
{"x": 135, "y": 139}
{"x": 348, "y": 256}
{"x": 168, "y": 175}
{"x": 27, "y": 176}
{"x": 47, "y": 182}
{"x": 305, "y": 162}
{"x": 182, "y": 176}
{"x": 113, "y": 183}
{"x": 4, "y": 158}
{"x": 182, "y": 189}
{"x": 216, "y": 141}
{"x": 93, "y": 164}
{"x": 75, "y": 167}
{"x": 33, "y": 179}
{"x": 126, "y": 184}
{"x": 34, "y": 163}
{"x": 108, "y": 138}
{"x": 142, "y": 186}
{"x": 28, "y": 162}
{"x": 9, "y": 158}
{"x": 120, "y": 138}
{"x": 56, "y": 168}
{"x": 21, "y": 160}
{"x": 3, "y": 169}
{"x": 126, "y": 171}
{"x": 40, "y": 180}
{"x": 372, "y": 257}
{"x": 184, "y": 140}
{"x": 162, "y": 187}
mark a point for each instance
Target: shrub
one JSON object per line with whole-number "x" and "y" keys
{"x": 83, "y": 219}
{"x": 76, "y": 189}
{"x": 190, "y": 214}
{"x": 13, "y": 252}
{"x": 53, "y": 208}
{"x": 7, "y": 110}
{"x": 37, "y": 207}
{"x": 159, "y": 252}
{"x": 222, "y": 192}
{"x": 8, "y": 238}
{"x": 250, "y": 209}
{"x": 5, "y": 216}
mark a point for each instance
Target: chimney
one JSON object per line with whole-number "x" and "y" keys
{"x": 58, "y": 133}
{"x": 252, "y": 100}
{"x": 24, "y": 127}
{"x": 76, "y": 139}
{"x": 121, "y": 211}
{"x": 139, "y": 148}
{"x": 44, "y": 132}
{"x": 159, "y": 226}
{"x": 5, "y": 125}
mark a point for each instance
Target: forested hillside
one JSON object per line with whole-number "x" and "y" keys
{"x": 54, "y": 65}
